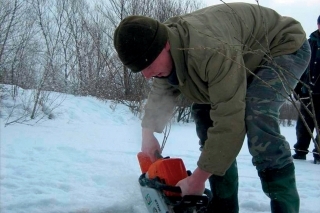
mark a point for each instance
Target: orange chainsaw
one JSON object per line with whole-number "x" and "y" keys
{"x": 158, "y": 187}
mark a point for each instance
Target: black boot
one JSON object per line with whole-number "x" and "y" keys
{"x": 316, "y": 157}
{"x": 224, "y": 192}
{"x": 299, "y": 156}
{"x": 280, "y": 186}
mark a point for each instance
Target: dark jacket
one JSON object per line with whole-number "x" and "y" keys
{"x": 311, "y": 76}
{"x": 212, "y": 50}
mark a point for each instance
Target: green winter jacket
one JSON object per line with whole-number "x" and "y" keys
{"x": 214, "y": 49}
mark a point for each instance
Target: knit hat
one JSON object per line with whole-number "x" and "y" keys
{"x": 318, "y": 20}
{"x": 139, "y": 40}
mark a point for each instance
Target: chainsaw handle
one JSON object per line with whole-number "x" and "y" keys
{"x": 156, "y": 184}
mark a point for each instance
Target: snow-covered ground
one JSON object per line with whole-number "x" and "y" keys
{"x": 84, "y": 161}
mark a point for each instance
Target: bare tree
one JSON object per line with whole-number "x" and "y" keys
{"x": 17, "y": 44}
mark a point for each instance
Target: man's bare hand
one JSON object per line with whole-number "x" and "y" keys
{"x": 150, "y": 144}
{"x": 195, "y": 183}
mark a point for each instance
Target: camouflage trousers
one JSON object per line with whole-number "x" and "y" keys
{"x": 267, "y": 91}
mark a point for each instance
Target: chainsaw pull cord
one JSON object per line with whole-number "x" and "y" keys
{"x": 166, "y": 133}
{"x": 157, "y": 154}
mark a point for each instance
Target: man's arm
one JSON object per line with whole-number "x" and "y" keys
{"x": 158, "y": 111}
{"x": 227, "y": 91}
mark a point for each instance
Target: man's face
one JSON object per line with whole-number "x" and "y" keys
{"x": 161, "y": 66}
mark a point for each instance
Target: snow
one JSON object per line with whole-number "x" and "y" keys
{"x": 84, "y": 161}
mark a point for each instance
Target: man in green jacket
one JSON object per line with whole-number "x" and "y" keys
{"x": 241, "y": 59}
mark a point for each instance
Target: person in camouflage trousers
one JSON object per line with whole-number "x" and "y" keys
{"x": 266, "y": 93}
{"x": 311, "y": 78}
{"x": 243, "y": 61}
